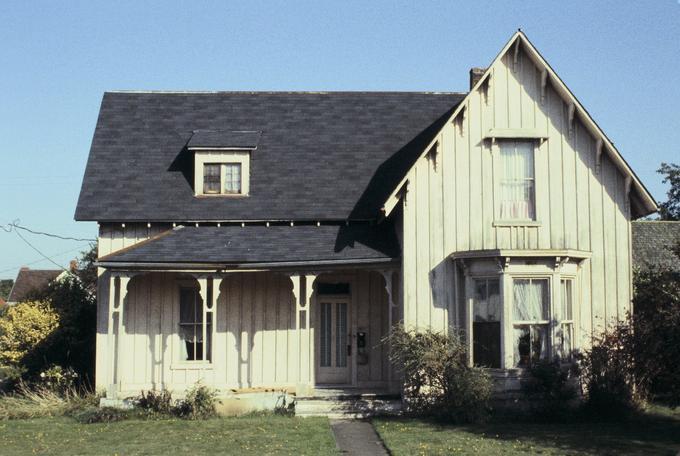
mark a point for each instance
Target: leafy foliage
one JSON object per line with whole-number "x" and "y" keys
{"x": 156, "y": 402}
{"x": 438, "y": 381}
{"x": 22, "y": 327}
{"x": 200, "y": 403}
{"x": 551, "y": 390}
{"x": 670, "y": 210}
{"x": 5, "y": 288}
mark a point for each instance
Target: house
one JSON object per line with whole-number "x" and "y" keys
{"x": 268, "y": 240}
{"x": 30, "y": 282}
{"x": 653, "y": 244}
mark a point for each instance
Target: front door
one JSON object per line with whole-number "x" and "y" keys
{"x": 333, "y": 341}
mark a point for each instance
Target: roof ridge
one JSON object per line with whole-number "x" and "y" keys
{"x": 283, "y": 92}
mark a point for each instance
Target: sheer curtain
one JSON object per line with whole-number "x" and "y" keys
{"x": 517, "y": 181}
{"x": 530, "y": 300}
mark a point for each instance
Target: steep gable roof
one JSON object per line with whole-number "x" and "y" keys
{"x": 320, "y": 156}
{"x": 29, "y": 281}
{"x": 642, "y": 201}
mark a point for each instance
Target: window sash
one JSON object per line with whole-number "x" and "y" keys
{"x": 211, "y": 178}
{"x": 517, "y": 182}
{"x": 191, "y": 325}
{"x": 232, "y": 178}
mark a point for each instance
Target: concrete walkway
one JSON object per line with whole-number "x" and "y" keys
{"x": 357, "y": 437}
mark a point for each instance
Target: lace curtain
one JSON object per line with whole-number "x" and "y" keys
{"x": 517, "y": 181}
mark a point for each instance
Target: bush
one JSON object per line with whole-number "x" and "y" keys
{"x": 438, "y": 381}
{"x": 10, "y": 376}
{"x": 200, "y": 403}
{"x": 22, "y": 327}
{"x": 613, "y": 382}
{"x": 93, "y": 414}
{"x": 156, "y": 402}
{"x": 58, "y": 379}
{"x": 551, "y": 390}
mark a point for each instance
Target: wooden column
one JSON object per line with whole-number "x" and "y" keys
{"x": 303, "y": 287}
{"x": 118, "y": 284}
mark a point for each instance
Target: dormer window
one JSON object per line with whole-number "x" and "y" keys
{"x": 222, "y": 161}
{"x": 222, "y": 178}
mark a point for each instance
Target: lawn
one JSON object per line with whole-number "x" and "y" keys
{"x": 657, "y": 432}
{"x": 256, "y": 435}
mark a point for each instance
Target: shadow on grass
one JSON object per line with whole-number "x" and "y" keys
{"x": 656, "y": 431}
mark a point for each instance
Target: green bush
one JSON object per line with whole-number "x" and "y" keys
{"x": 10, "y": 377}
{"x": 438, "y": 381}
{"x": 550, "y": 390}
{"x": 156, "y": 402}
{"x": 199, "y": 403}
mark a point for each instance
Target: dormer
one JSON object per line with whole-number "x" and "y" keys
{"x": 222, "y": 161}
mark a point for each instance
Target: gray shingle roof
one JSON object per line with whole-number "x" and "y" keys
{"x": 224, "y": 138}
{"x": 236, "y": 245}
{"x": 29, "y": 281}
{"x": 652, "y": 243}
{"x": 321, "y": 156}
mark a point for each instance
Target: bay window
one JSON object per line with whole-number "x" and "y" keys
{"x": 531, "y": 320}
{"x": 566, "y": 330}
{"x": 486, "y": 323}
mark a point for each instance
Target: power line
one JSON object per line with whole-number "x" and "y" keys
{"x": 39, "y": 252}
{"x": 40, "y": 261}
{"x": 16, "y": 226}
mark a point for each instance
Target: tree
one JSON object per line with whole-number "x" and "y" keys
{"x": 22, "y": 327}
{"x": 5, "y": 288}
{"x": 670, "y": 210}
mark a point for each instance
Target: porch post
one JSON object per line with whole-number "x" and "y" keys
{"x": 302, "y": 291}
{"x": 116, "y": 306}
{"x": 110, "y": 348}
{"x": 122, "y": 295}
{"x": 388, "y": 275}
{"x": 203, "y": 291}
{"x": 309, "y": 289}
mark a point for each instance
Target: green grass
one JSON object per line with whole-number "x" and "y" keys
{"x": 655, "y": 432}
{"x": 256, "y": 435}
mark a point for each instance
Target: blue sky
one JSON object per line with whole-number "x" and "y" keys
{"x": 620, "y": 58}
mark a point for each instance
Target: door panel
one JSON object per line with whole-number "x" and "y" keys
{"x": 332, "y": 341}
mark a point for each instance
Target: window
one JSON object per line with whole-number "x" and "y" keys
{"x": 517, "y": 183}
{"x": 486, "y": 323}
{"x": 211, "y": 178}
{"x": 191, "y": 326}
{"x": 531, "y": 320}
{"x": 566, "y": 330}
{"x": 232, "y": 178}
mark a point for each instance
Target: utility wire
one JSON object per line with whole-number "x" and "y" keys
{"x": 15, "y": 225}
{"x": 41, "y": 260}
{"x": 40, "y": 253}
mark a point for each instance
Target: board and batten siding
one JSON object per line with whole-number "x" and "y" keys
{"x": 449, "y": 206}
{"x": 256, "y": 342}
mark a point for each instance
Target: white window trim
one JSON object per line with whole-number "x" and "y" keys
{"x": 176, "y": 341}
{"x": 554, "y": 275}
{"x": 222, "y": 157}
{"x": 497, "y": 167}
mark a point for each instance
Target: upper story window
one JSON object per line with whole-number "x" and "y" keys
{"x": 223, "y": 173}
{"x": 225, "y": 178}
{"x": 517, "y": 181}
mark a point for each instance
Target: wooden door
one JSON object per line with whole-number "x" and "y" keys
{"x": 333, "y": 341}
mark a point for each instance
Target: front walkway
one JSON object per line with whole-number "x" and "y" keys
{"x": 357, "y": 437}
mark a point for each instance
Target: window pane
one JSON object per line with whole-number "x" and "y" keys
{"x": 567, "y": 300}
{"x": 522, "y": 349}
{"x": 486, "y": 326}
{"x": 341, "y": 335}
{"x": 567, "y": 336}
{"x": 211, "y": 178}
{"x": 531, "y": 344}
{"x": 531, "y": 299}
{"x": 517, "y": 180}
{"x": 325, "y": 336}
{"x": 232, "y": 180}
{"x": 187, "y": 305}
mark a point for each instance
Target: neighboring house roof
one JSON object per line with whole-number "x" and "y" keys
{"x": 29, "y": 281}
{"x": 653, "y": 242}
{"x": 233, "y": 246}
{"x": 320, "y": 156}
{"x": 642, "y": 201}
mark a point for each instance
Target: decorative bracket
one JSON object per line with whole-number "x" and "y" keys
{"x": 544, "y": 84}
{"x": 571, "y": 112}
{"x": 560, "y": 261}
{"x": 432, "y": 154}
{"x": 598, "y": 156}
{"x": 628, "y": 184}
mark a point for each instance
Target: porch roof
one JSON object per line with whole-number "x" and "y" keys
{"x": 257, "y": 245}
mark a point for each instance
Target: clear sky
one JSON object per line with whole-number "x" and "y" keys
{"x": 620, "y": 58}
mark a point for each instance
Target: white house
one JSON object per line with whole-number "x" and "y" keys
{"x": 269, "y": 240}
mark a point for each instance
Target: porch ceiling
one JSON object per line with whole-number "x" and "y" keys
{"x": 237, "y": 246}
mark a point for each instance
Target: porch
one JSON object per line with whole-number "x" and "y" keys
{"x": 268, "y": 333}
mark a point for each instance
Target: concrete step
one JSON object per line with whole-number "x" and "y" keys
{"x": 350, "y": 407}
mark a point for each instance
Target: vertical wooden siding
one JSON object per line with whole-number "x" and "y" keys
{"x": 451, "y": 202}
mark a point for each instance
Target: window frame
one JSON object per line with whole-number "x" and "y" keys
{"x": 515, "y": 324}
{"x": 178, "y": 361}
{"x": 203, "y": 158}
{"x": 498, "y": 170}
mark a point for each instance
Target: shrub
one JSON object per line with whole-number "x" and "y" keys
{"x": 156, "y": 402}
{"x": 94, "y": 414}
{"x": 199, "y": 403}
{"x": 613, "y": 383}
{"x": 438, "y": 381}
{"x": 22, "y": 327}
{"x": 551, "y": 390}
{"x": 10, "y": 376}
{"x": 58, "y": 379}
